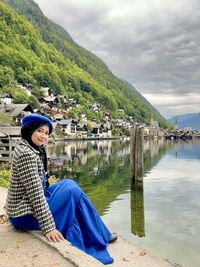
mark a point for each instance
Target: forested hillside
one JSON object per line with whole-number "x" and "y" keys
{"x": 35, "y": 50}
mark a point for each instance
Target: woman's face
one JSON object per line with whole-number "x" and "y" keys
{"x": 40, "y": 135}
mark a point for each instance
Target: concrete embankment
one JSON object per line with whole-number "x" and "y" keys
{"x": 22, "y": 249}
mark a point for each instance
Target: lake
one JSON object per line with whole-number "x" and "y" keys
{"x": 161, "y": 214}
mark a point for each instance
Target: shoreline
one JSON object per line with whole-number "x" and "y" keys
{"x": 17, "y": 252}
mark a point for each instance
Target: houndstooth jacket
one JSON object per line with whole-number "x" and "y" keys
{"x": 25, "y": 193}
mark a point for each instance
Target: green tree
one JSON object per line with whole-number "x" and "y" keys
{"x": 5, "y": 119}
{"x": 6, "y": 76}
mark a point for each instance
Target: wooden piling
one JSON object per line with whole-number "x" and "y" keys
{"x": 136, "y": 155}
{"x": 137, "y": 169}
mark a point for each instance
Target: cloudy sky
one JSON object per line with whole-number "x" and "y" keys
{"x": 154, "y": 45}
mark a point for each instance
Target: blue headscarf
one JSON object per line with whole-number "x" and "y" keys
{"x": 29, "y": 124}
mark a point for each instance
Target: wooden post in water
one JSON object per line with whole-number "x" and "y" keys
{"x": 137, "y": 169}
{"x": 137, "y": 138}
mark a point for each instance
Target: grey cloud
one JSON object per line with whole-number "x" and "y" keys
{"x": 154, "y": 46}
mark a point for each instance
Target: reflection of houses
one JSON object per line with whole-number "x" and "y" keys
{"x": 123, "y": 151}
{"x": 76, "y": 151}
{"x": 16, "y": 111}
{"x": 101, "y": 147}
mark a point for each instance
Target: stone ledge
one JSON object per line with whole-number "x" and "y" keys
{"x": 125, "y": 254}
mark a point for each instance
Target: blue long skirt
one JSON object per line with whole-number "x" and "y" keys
{"x": 75, "y": 217}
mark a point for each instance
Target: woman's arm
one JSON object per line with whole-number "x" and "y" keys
{"x": 29, "y": 177}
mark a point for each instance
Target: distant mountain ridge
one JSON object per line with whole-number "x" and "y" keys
{"x": 187, "y": 120}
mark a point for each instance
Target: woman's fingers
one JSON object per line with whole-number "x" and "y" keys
{"x": 60, "y": 236}
{"x": 54, "y": 236}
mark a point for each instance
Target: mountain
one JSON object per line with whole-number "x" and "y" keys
{"x": 152, "y": 108}
{"x": 187, "y": 120}
{"x": 38, "y": 51}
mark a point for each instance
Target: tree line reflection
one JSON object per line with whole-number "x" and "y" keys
{"x": 102, "y": 169}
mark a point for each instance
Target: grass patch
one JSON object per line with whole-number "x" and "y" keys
{"x": 4, "y": 175}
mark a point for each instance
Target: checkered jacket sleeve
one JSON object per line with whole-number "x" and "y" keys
{"x": 25, "y": 192}
{"x": 32, "y": 182}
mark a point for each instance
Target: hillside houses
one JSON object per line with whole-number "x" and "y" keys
{"x": 16, "y": 111}
{"x": 6, "y": 98}
{"x": 58, "y": 107}
{"x": 95, "y": 107}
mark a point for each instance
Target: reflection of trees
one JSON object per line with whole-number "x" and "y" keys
{"x": 152, "y": 155}
{"x": 153, "y": 152}
{"x": 105, "y": 173}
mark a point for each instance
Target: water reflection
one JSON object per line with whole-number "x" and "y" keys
{"x": 137, "y": 210}
{"x": 163, "y": 210}
{"x": 101, "y": 168}
{"x": 153, "y": 152}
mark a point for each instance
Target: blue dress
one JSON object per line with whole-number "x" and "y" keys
{"x": 75, "y": 217}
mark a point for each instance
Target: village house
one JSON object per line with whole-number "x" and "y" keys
{"x": 62, "y": 98}
{"x": 50, "y": 101}
{"x": 101, "y": 130}
{"x": 153, "y": 132}
{"x": 81, "y": 130}
{"x": 16, "y": 111}
{"x": 45, "y": 91}
{"x": 12, "y": 131}
{"x": 57, "y": 117}
{"x": 6, "y": 98}
{"x": 107, "y": 129}
{"x": 107, "y": 116}
{"x": 72, "y": 127}
{"x": 66, "y": 127}
{"x": 154, "y": 123}
{"x": 95, "y": 107}
{"x": 71, "y": 103}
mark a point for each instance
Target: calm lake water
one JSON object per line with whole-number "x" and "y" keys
{"x": 162, "y": 214}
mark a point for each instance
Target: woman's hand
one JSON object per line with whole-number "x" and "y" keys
{"x": 54, "y": 236}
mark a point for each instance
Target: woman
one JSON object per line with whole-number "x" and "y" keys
{"x": 61, "y": 210}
